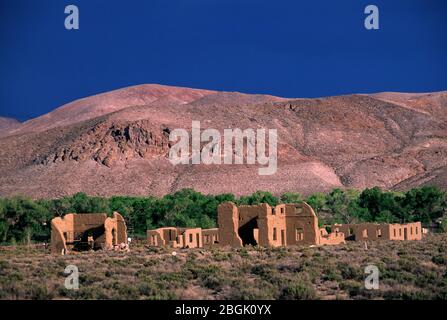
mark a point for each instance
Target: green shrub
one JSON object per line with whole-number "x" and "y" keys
{"x": 298, "y": 291}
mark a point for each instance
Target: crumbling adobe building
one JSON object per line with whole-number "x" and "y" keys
{"x": 375, "y": 231}
{"x": 282, "y": 225}
{"x": 182, "y": 237}
{"x": 77, "y": 232}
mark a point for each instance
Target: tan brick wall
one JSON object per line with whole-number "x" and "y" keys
{"x": 74, "y": 228}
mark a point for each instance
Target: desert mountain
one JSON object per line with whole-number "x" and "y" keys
{"x": 117, "y": 143}
{"x": 95, "y": 106}
{"x": 7, "y": 125}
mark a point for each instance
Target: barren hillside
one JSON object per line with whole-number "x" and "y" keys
{"x": 117, "y": 143}
{"x": 7, "y": 124}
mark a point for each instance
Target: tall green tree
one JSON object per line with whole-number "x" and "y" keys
{"x": 424, "y": 204}
{"x": 381, "y": 204}
{"x": 317, "y": 201}
{"x": 291, "y": 197}
{"x": 259, "y": 197}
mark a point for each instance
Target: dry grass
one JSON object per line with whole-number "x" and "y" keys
{"x": 408, "y": 270}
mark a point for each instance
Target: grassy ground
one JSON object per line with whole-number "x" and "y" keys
{"x": 408, "y": 270}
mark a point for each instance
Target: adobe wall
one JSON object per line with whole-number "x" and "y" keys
{"x": 375, "y": 231}
{"x": 85, "y": 221}
{"x": 59, "y": 227}
{"x": 176, "y": 237}
{"x": 302, "y": 225}
{"x": 121, "y": 228}
{"x": 246, "y": 224}
{"x": 267, "y": 225}
{"x": 283, "y": 225}
{"x": 161, "y": 236}
{"x": 80, "y": 228}
{"x": 417, "y": 232}
{"x": 210, "y": 237}
{"x": 228, "y": 221}
{"x": 192, "y": 238}
{"x": 93, "y": 224}
{"x": 274, "y": 230}
{"x": 408, "y": 231}
{"x": 332, "y": 238}
{"x": 115, "y": 231}
{"x": 273, "y": 222}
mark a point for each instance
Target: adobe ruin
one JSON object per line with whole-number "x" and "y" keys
{"x": 283, "y": 225}
{"x": 182, "y": 237}
{"x": 376, "y": 231}
{"x": 263, "y": 225}
{"x": 87, "y": 231}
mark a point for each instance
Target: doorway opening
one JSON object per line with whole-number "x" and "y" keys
{"x": 247, "y": 234}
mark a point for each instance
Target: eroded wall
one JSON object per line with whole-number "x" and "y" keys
{"x": 228, "y": 221}
{"x": 78, "y": 231}
{"x": 375, "y": 231}
{"x": 210, "y": 237}
{"x": 181, "y": 237}
{"x": 283, "y": 225}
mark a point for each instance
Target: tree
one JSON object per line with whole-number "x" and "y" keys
{"x": 425, "y": 204}
{"x": 344, "y": 205}
{"x": 81, "y": 203}
{"x": 259, "y": 197}
{"x": 337, "y": 201}
{"x": 386, "y": 216}
{"x": 22, "y": 218}
{"x": 356, "y": 213}
{"x": 58, "y": 207}
{"x": 291, "y": 197}
{"x": 380, "y": 204}
{"x": 317, "y": 201}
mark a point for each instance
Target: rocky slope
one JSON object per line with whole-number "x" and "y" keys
{"x": 117, "y": 143}
{"x": 7, "y": 125}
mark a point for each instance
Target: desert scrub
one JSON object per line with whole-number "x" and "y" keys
{"x": 298, "y": 290}
{"x": 350, "y": 271}
{"x": 214, "y": 282}
{"x": 353, "y": 288}
{"x": 243, "y": 252}
{"x": 39, "y": 292}
{"x": 222, "y": 256}
{"x": 245, "y": 290}
{"x": 171, "y": 280}
{"x": 408, "y": 270}
{"x": 151, "y": 291}
{"x": 440, "y": 259}
{"x": 331, "y": 274}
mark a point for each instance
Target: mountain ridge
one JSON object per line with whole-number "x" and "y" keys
{"x": 393, "y": 140}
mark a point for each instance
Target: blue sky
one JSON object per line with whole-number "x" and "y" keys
{"x": 288, "y": 48}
